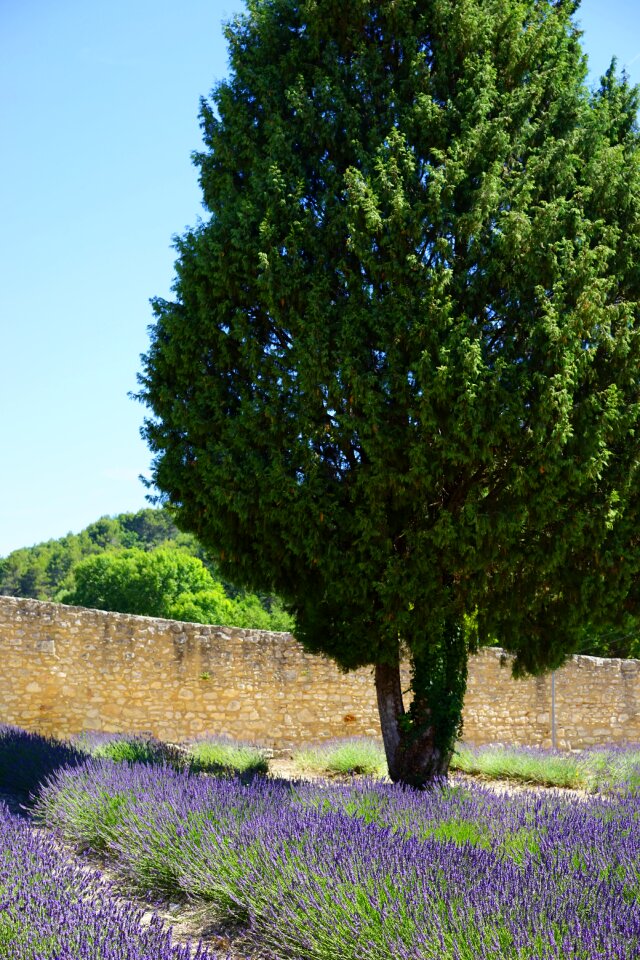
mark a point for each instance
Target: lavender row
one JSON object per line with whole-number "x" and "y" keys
{"x": 370, "y": 871}
{"x": 26, "y": 759}
{"x": 53, "y": 910}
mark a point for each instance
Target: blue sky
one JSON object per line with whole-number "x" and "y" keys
{"x": 99, "y": 106}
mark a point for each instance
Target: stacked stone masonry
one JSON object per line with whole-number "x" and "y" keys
{"x": 67, "y": 669}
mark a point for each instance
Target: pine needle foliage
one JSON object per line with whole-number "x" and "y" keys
{"x": 398, "y": 383}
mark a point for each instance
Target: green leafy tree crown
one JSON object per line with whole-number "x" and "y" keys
{"x": 137, "y": 563}
{"x": 398, "y": 383}
{"x": 165, "y": 583}
{"x": 140, "y": 582}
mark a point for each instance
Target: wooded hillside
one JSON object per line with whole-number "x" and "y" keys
{"x": 88, "y": 569}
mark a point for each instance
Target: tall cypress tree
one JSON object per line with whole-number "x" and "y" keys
{"x": 398, "y": 383}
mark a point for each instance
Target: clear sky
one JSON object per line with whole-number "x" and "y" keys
{"x": 99, "y": 104}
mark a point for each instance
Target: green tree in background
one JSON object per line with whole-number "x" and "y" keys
{"x": 164, "y": 583}
{"x": 398, "y": 384}
{"x": 43, "y": 570}
{"x": 136, "y": 581}
{"x": 161, "y": 575}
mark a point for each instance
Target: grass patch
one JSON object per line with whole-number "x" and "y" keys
{"x": 597, "y": 770}
{"x": 356, "y": 755}
{"x": 222, "y": 757}
{"x": 526, "y": 765}
{"x": 129, "y": 748}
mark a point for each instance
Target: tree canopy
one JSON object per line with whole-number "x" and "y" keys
{"x": 152, "y": 584}
{"x": 137, "y": 563}
{"x": 165, "y": 583}
{"x": 42, "y": 571}
{"x": 398, "y": 383}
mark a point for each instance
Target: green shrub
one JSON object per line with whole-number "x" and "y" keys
{"x": 129, "y": 748}
{"x": 223, "y": 757}
{"x": 355, "y": 755}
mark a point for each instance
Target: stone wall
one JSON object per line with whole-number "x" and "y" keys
{"x": 592, "y": 701}
{"x": 67, "y": 669}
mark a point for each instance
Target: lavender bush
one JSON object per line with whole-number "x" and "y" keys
{"x": 51, "y": 910}
{"x": 612, "y": 769}
{"x": 371, "y": 870}
{"x": 27, "y": 759}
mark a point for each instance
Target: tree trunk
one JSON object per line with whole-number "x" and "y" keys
{"x": 391, "y": 710}
{"x": 419, "y": 742}
{"x": 413, "y": 757}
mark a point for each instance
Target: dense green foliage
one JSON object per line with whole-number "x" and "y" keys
{"x": 137, "y": 563}
{"x": 165, "y": 583}
{"x": 611, "y": 643}
{"x": 43, "y": 570}
{"x": 134, "y": 581}
{"x": 398, "y": 383}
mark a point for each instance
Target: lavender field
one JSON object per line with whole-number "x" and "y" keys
{"x": 51, "y": 909}
{"x": 313, "y": 871}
